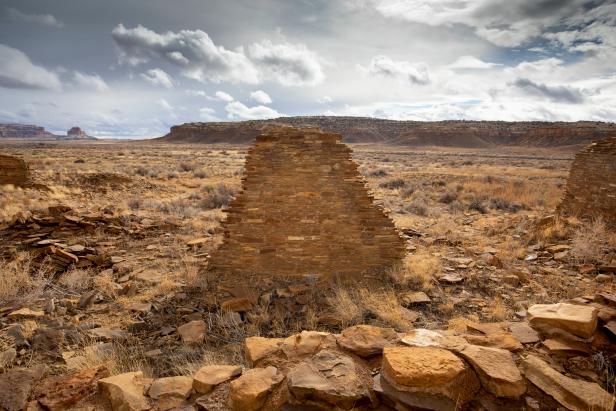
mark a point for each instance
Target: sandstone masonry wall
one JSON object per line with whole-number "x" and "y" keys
{"x": 13, "y": 170}
{"x": 591, "y": 188}
{"x": 304, "y": 211}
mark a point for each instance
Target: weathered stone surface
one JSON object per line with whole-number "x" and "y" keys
{"x": 367, "y": 340}
{"x": 524, "y": 333}
{"x": 13, "y": 170}
{"x": 192, "y": 332}
{"x": 506, "y": 341}
{"x": 249, "y": 392}
{"x": 427, "y": 377}
{"x": 496, "y": 370}
{"x": 210, "y": 376}
{"x": 258, "y": 348}
{"x": 571, "y": 393}
{"x": 303, "y": 209}
{"x": 421, "y": 337}
{"x": 62, "y": 392}
{"x": 15, "y": 387}
{"x": 577, "y": 319}
{"x": 170, "y": 392}
{"x": 125, "y": 391}
{"x": 307, "y": 343}
{"x": 595, "y": 163}
{"x": 560, "y": 346}
{"x": 327, "y": 378}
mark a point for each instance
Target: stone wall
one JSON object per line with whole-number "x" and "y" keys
{"x": 13, "y": 170}
{"x": 304, "y": 211}
{"x": 591, "y": 188}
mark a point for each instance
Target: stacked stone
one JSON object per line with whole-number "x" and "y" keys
{"x": 13, "y": 170}
{"x": 591, "y": 188}
{"x": 304, "y": 211}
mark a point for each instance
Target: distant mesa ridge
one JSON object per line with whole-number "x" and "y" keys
{"x": 29, "y": 131}
{"x": 454, "y": 133}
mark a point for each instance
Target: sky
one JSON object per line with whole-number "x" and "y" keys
{"x": 134, "y": 68}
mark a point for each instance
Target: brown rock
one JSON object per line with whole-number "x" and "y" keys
{"x": 367, "y": 340}
{"x": 427, "y": 377}
{"x": 576, "y": 319}
{"x": 329, "y": 379}
{"x": 249, "y": 392}
{"x": 415, "y": 297}
{"x": 506, "y": 341}
{"x": 571, "y": 393}
{"x": 237, "y": 305}
{"x": 170, "y": 392}
{"x": 64, "y": 391}
{"x": 26, "y": 313}
{"x": 125, "y": 391}
{"x": 210, "y": 376}
{"x": 258, "y": 348}
{"x": 560, "y": 346}
{"x": 307, "y": 343}
{"x": 524, "y": 333}
{"x": 15, "y": 387}
{"x": 496, "y": 370}
{"x": 192, "y": 332}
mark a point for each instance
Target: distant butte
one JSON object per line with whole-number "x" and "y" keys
{"x": 33, "y": 132}
{"x": 459, "y": 133}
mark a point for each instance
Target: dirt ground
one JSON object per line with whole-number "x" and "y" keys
{"x": 483, "y": 243}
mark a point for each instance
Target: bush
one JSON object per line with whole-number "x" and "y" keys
{"x": 477, "y": 205}
{"x": 379, "y": 172}
{"x": 217, "y": 196}
{"x": 417, "y": 206}
{"x": 187, "y": 167}
{"x": 448, "y": 198}
{"x": 393, "y": 184}
{"x": 502, "y": 204}
{"x": 79, "y": 161}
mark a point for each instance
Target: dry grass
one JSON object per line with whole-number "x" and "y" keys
{"x": 420, "y": 269}
{"x": 589, "y": 239}
{"x": 19, "y": 279}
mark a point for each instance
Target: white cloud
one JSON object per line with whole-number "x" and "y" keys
{"x": 208, "y": 114}
{"x": 471, "y": 63}
{"x": 384, "y": 66}
{"x": 287, "y": 64}
{"x": 17, "y": 71}
{"x": 261, "y": 96}
{"x": 325, "y": 100}
{"x": 164, "y": 104}
{"x": 222, "y": 96}
{"x": 43, "y": 19}
{"x": 237, "y": 110}
{"x": 90, "y": 81}
{"x": 157, "y": 77}
{"x": 191, "y": 50}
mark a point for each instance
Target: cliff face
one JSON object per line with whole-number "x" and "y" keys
{"x": 13, "y": 170}
{"x": 412, "y": 133}
{"x": 76, "y": 133}
{"x": 24, "y": 131}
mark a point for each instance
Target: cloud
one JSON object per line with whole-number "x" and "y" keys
{"x": 43, "y": 19}
{"x": 471, "y": 63}
{"x": 208, "y": 114}
{"x": 157, "y": 77}
{"x": 287, "y": 64}
{"x": 502, "y": 22}
{"x": 261, "y": 96}
{"x": 222, "y": 96}
{"x": 90, "y": 81}
{"x": 191, "y": 50}
{"x": 237, "y": 110}
{"x": 17, "y": 71}
{"x": 164, "y": 104}
{"x": 557, "y": 94}
{"x": 325, "y": 100}
{"x": 383, "y": 66}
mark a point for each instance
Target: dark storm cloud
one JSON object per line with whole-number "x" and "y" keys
{"x": 557, "y": 94}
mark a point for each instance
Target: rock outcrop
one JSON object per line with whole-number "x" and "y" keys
{"x": 13, "y": 170}
{"x": 591, "y": 187}
{"x": 24, "y": 131}
{"x": 304, "y": 212}
{"x": 410, "y": 133}
{"x": 76, "y": 133}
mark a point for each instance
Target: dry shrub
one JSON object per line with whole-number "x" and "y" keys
{"x": 76, "y": 280}
{"x": 394, "y": 184}
{"x": 346, "y": 306}
{"x": 510, "y": 249}
{"x": 106, "y": 285}
{"x": 118, "y": 358}
{"x": 17, "y": 278}
{"x": 217, "y": 196}
{"x": 418, "y": 205}
{"x": 384, "y": 305}
{"x": 420, "y": 268}
{"x": 516, "y": 191}
{"x": 497, "y": 311}
{"x": 589, "y": 239}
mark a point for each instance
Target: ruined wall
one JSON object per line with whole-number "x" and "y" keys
{"x": 13, "y": 170}
{"x": 591, "y": 188}
{"x": 304, "y": 210}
